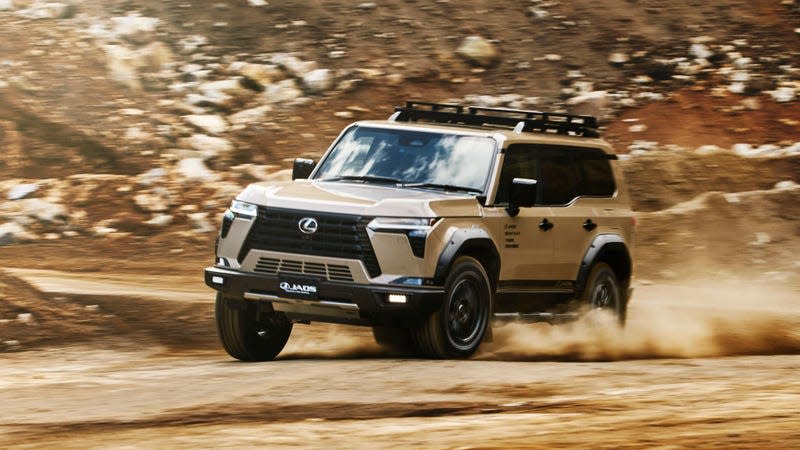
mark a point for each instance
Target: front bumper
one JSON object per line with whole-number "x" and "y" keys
{"x": 337, "y": 302}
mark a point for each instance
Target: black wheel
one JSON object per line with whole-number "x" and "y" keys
{"x": 248, "y": 335}
{"x": 458, "y": 327}
{"x": 602, "y": 291}
{"x": 397, "y": 340}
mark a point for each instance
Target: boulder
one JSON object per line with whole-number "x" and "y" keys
{"x": 21, "y": 191}
{"x": 195, "y": 170}
{"x": 159, "y": 220}
{"x": 786, "y": 185}
{"x": 123, "y": 66}
{"x": 700, "y": 51}
{"x": 155, "y": 56}
{"x": 46, "y": 10}
{"x": 782, "y": 94}
{"x": 281, "y": 92}
{"x": 748, "y": 151}
{"x": 251, "y": 115}
{"x": 319, "y": 81}
{"x": 537, "y": 14}
{"x": 488, "y": 101}
{"x": 150, "y": 202}
{"x": 28, "y": 210}
{"x": 293, "y": 64}
{"x": 590, "y": 103}
{"x": 200, "y": 222}
{"x": 230, "y": 86}
{"x": 12, "y": 232}
{"x": 209, "y": 123}
{"x": 221, "y": 93}
{"x": 618, "y": 58}
{"x": 43, "y": 210}
{"x": 209, "y": 146}
{"x": 477, "y": 50}
{"x": 137, "y": 134}
{"x": 134, "y": 28}
{"x": 192, "y": 43}
{"x": 261, "y": 74}
{"x": 151, "y": 177}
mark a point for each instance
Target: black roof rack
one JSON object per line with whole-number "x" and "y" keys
{"x": 517, "y": 119}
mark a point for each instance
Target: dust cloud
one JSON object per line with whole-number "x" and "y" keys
{"x": 703, "y": 318}
{"x": 698, "y": 319}
{"x": 328, "y": 341}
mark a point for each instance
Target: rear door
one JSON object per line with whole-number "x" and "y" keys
{"x": 526, "y": 241}
{"x": 558, "y": 189}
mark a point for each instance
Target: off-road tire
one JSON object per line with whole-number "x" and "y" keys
{"x": 248, "y": 335}
{"x": 457, "y": 329}
{"x": 603, "y": 292}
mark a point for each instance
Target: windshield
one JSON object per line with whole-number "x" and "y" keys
{"x": 410, "y": 158}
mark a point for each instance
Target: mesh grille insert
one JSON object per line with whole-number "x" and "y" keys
{"x": 333, "y": 272}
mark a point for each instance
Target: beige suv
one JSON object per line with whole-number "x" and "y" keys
{"x": 429, "y": 227}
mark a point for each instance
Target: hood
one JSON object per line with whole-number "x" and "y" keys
{"x": 361, "y": 199}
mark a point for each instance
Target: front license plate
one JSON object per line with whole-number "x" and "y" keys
{"x": 296, "y": 287}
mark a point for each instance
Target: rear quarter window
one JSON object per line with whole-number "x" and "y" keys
{"x": 596, "y": 174}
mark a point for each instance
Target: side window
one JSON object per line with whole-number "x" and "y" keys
{"x": 519, "y": 162}
{"x": 564, "y": 173}
{"x": 598, "y": 179}
{"x": 559, "y": 177}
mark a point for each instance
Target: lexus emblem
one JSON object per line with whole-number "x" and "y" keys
{"x": 308, "y": 225}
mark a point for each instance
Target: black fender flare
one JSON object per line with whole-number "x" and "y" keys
{"x": 460, "y": 239}
{"x": 600, "y": 245}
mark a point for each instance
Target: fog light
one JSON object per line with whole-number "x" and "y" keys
{"x": 396, "y": 298}
{"x": 218, "y": 280}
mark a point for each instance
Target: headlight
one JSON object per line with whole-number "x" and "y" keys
{"x": 244, "y": 209}
{"x": 401, "y": 224}
{"x": 415, "y": 229}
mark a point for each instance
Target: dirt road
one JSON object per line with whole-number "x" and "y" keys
{"x": 91, "y": 398}
{"x": 697, "y": 366}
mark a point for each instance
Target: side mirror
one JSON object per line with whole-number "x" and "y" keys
{"x": 302, "y": 168}
{"x": 523, "y": 195}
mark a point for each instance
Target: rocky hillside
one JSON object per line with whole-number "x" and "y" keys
{"x": 130, "y": 120}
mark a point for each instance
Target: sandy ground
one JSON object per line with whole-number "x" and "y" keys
{"x": 699, "y": 365}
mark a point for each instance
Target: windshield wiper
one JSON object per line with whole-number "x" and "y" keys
{"x": 364, "y": 178}
{"x": 446, "y": 187}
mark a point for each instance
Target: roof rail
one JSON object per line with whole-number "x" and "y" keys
{"x": 518, "y": 120}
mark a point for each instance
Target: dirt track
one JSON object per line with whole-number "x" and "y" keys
{"x": 535, "y": 385}
{"x": 89, "y": 398}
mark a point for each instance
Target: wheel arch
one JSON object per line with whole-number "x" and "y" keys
{"x": 474, "y": 242}
{"x": 612, "y": 250}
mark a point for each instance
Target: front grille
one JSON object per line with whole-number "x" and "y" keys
{"x": 333, "y": 272}
{"x": 338, "y": 236}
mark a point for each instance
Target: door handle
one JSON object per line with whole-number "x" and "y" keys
{"x": 546, "y": 225}
{"x": 589, "y": 225}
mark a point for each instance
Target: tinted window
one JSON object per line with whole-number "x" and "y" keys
{"x": 519, "y": 162}
{"x": 598, "y": 180}
{"x": 558, "y": 177}
{"x": 564, "y": 173}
